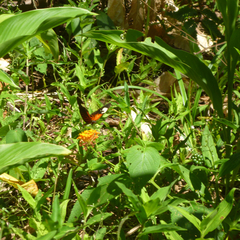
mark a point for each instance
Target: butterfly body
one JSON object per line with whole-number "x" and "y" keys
{"x": 92, "y": 118}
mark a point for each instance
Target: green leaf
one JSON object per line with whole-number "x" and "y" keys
{"x": 16, "y": 135}
{"x": 103, "y": 193}
{"x": 101, "y": 233}
{"x": 215, "y": 218}
{"x": 191, "y": 218}
{"x": 183, "y": 172}
{"x": 56, "y": 212}
{"x": 234, "y": 45}
{"x": 4, "y": 77}
{"x": 162, "y": 192}
{"x": 82, "y": 203}
{"x": 93, "y": 165}
{"x": 151, "y": 206}
{"x": 98, "y": 218}
{"x": 131, "y": 196}
{"x": 143, "y": 163}
{"x": 39, "y": 169}
{"x": 161, "y": 228}
{"x": 63, "y": 208}
{"x": 230, "y": 165}
{"x": 209, "y": 151}
{"x": 229, "y": 10}
{"x": 48, "y": 236}
{"x": 21, "y": 27}
{"x": 15, "y": 154}
{"x": 184, "y": 62}
{"x": 172, "y": 235}
{"x": 137, "y": 205}
{"x": 226, "y": 122}
{"x": 50, "y": 41}
{"x": 65, "y": 232}
{"x": 182, "y": 87}
{"x": 68, "y": 185}
{"x": 27, "y": 196}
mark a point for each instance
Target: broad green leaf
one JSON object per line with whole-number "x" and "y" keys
{"x": 98, "y": 218}
{"x": 183, "y": 172}
{"x": 27, "y": 196}
{"x": 39, "y": 169}
{"x": 63, "y": 208}
{"x": 151, "y": 206}
{"x": 82, "y": 203}
{"x": 50, "y": 41}
{"x": 56, "y": 212}
{"x": 65, "y": 231}
{"x": 131, "y": 196}
{"x": 68, "y": 185}
{"x": 229, "y": 10}
{"x": 182, "y": 87}
{"x": 4, "y": 77}
{"x": 5, "y": 16}
{"x": 101, "y": 233}
{"x": 22, "y": 234}
{"x": 16, "y": 135}
{"x": 191, "y": 218}
{"x": 182, "y": 61}
{"x": 48, "y": 236}
{"x": 103, "y": 193}
{"x": 137, "y": 205}
{"x": 163, "y": 192}
{"x": 172, "y": 235}
{"x": 121, "y": 67}
{"x": 208, "y": 147}
{"x": 215, "y": 218}
{"x": 143, "y": 163}
{"x": 80, "y": 75}
{"x": 173, "y": 202}
{"x": 230, "y": 165}
{"x": 15, "y": 154}
{"x": 21, "y": 27}
{"x": 226, "y": 122}
{"x": 161, "y": 228}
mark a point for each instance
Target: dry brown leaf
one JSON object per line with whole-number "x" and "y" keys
{"x": 164, "y": 84}
{"x": 116, "y": 11}
{"x": 155, "y": 7}
{"x": 136, "y": 15}
{"x": 30, "y": 186}
{"x": 157, "y": 30}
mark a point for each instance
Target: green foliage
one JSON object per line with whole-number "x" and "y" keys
{"x": 158, "y": 167}
{"x": 15, "y": 154}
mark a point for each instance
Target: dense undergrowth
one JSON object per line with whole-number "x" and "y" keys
{"x": 150, "y": 164}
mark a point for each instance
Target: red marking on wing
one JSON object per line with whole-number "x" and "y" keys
{"x": 94, "y": 116}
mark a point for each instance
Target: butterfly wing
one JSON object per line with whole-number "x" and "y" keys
{"x": 85, "y": 114}
{"x": 96, "y": 115}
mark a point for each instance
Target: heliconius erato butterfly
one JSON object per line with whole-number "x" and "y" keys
{"x": 91, "y": 118}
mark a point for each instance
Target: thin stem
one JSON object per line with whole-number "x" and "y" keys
{"x": 26, "y": 97}
{"x": 56, "y": 180}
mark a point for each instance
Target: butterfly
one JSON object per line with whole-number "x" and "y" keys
{"x": 92, "y": 118}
